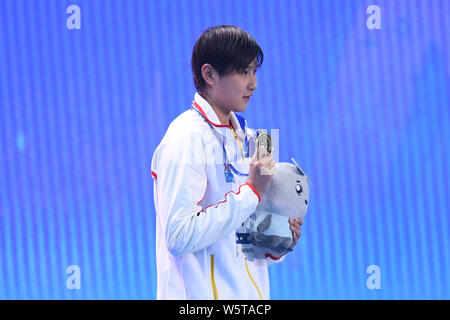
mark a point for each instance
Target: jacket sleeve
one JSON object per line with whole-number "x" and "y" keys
{"x": 271, "y": 261}
{"x": 181, "y": 185}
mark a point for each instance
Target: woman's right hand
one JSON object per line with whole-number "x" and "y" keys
{"x": 262, "y": 169}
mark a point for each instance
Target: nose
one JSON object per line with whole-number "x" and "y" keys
{"x": 253, "y": 84}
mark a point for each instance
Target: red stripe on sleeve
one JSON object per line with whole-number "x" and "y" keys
{"x": 254, "y": 190}
{"x": 268, "y": 255}
{"x": 225, "y": 200}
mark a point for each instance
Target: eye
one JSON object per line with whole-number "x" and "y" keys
{"x": 299, "y": 189}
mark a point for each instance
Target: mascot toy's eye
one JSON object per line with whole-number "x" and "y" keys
{"x": 299, "y": 189}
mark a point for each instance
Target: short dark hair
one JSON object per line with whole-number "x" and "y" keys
{"x": 227, "y": 49}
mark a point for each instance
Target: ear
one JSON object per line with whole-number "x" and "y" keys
{"x": 208, "y": 74}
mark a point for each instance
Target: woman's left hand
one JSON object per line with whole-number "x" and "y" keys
{"x": 295, "y": 225}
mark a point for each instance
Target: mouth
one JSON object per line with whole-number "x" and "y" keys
{"x": 247, "y": 98}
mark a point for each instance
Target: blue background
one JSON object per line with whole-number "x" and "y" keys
{"x": 365, "y": 113}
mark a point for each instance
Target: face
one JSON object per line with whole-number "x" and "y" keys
{"x": 233, "y": 92}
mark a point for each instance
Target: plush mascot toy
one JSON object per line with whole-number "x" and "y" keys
{"x": 266, "y": 233}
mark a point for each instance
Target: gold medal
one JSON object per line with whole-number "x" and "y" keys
{"x": 264, "y": 139}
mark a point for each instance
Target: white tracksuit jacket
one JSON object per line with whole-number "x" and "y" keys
{"x": 198, "y": 212}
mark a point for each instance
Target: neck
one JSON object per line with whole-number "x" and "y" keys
{"x": 223, "y": 115}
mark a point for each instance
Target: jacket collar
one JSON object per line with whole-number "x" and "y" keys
{"x": 210, "y": 115}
